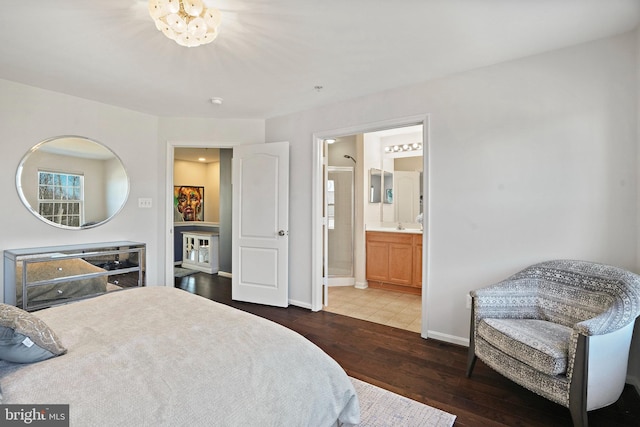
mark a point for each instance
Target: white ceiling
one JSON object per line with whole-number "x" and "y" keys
{"x": 272, "y": 53}
{"x": 210, "y": 155}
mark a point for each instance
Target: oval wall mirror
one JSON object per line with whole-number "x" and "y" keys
{"x": 72, "y": 182}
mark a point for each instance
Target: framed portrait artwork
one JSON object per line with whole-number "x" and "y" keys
{"x": 188, "y": 201}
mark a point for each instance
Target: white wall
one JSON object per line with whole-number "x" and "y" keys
{"x": 225, "y": 132}
{"x": 529, "y": 160}
{"x": 372, "y": 160}
{"x": 30, "y": 115}
{"x": 634, "y": 357}
{"x": 212, "y": 187}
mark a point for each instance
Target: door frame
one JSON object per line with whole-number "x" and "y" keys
{"x": 317, "y": 235}
{"x": 168, "y": 200}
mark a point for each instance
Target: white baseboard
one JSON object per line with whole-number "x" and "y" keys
{"x": 449, "y": 338}
{"x": 224, "y": 274}
{"x": 300, "y": 304}
{"x": 340, "y": 281}
{"x": 362, "y": 285}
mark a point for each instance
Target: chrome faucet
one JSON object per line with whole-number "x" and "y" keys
{"x": 400, "y": 227}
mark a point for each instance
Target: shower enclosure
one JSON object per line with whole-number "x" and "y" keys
{"x": 340, "y": 224}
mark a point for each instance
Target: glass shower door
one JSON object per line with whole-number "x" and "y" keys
{"x": 340, "y": 221}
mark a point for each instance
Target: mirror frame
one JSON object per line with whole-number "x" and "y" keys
{"x": 34, "y": 211}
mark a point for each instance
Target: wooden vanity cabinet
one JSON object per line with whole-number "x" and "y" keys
{"x": 417, "y": 260}
{"x": 394, "y": 261}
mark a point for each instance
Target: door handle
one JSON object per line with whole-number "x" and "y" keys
{"x": 282, "y": 233}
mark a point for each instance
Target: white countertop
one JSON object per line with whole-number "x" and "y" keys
{"x": 394, "y": 230}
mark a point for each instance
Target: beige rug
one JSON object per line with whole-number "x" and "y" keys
{"x": 381, "y": 408}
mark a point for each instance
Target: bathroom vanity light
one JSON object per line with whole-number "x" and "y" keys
{"x": 416, "y": 146}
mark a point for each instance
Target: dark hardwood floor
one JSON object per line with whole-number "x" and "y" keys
{"x": 429, "y": 371}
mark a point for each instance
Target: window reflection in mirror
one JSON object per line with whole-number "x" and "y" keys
{"x": 72, "y": 182}
{"x": 388, "y": 187}
{"x": 375, "y": 185}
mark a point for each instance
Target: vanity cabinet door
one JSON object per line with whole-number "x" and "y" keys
{"x": 400, "y": 263}
{"x": 378, "y": 261}
{"x": 417, "y": 261}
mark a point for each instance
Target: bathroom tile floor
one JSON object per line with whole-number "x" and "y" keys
{"x": 376, "y": 305}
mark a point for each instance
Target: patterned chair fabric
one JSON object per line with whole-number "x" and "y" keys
{"x": 527, "y": 327}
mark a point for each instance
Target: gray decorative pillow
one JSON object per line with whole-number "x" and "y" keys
{"x": 24, "y": 338}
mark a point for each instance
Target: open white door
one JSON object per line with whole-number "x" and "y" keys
{"x": 325, "y": 227}
{"x": 260, "y": 231}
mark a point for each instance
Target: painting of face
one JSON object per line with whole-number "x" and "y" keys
{"x": 189, "y": 203}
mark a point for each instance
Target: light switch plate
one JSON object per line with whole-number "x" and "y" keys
{"x": 144, "y": 203}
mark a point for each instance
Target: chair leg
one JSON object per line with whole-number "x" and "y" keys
{"x": 471, "y": 362}
{"x": 578, "y": 415}
{"x": 578, "y": 387}
{"x": 471, "y": 358}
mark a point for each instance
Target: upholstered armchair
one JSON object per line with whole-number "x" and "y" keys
{"x": 561, "y": 329}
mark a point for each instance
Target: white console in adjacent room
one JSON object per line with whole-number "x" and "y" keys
{"x": 200, "y": 251}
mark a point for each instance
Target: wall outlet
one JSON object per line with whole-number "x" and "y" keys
{"x": 469, "y": 302}
{"x": 144, "y": 203}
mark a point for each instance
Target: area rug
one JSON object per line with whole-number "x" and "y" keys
{"x": 181, "y": 272}
{"x": 382, "y": 408}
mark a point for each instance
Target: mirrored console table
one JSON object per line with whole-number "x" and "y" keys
{"x": 200, "y": 251}
{"x": 55, "y": 275}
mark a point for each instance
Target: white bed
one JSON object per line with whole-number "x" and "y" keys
{"x": 156, "y": 356}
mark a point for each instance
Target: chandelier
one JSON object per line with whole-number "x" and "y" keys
{"x": 188, "y": 22}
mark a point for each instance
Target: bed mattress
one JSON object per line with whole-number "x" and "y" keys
{"x": 161, "y": 356}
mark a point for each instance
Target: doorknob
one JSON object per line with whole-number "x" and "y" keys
{"x": 281, "y": 233}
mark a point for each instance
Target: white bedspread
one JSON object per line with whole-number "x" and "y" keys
{"x": 160, "y": 356}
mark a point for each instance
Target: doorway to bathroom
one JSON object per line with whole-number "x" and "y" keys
{"x": 355, "y": 203}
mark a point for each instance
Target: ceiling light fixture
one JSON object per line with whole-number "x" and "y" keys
{"x": 217, "y": 100}
{"x": 187, "y": 22}
{"x": 330, "y": 140}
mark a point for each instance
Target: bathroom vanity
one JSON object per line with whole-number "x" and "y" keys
{"x": 394, "y": 260}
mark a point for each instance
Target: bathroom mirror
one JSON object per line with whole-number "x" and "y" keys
{"x": 375, "y": 185}
{"x": 407, "y": 191}
{"x": 72, "y": 182}
{"x": 380, "y": 186}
